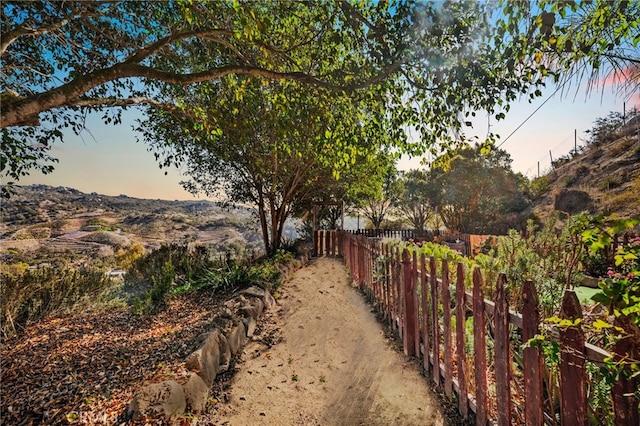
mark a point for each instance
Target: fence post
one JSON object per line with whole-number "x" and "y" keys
{"x": 397, "y": 256}
{"x": 625, "y": 404}
{"x": 480, "y": 349}
{"x": 425, "y": 313}
{"x": 360, "y": 251}
{"x": 416, "y": 309}
{"x": 446, "y": 322}
{"x": 435, "y": 323}
{"x": 387, "y": 282}
{"x": 408, "y": 287}
{"x": 327, "y": 243}
{"x": 573, "y": 395}
{"x": 461, "y": 361}
{"x": 532, "y": 359}
{"x": 502, "y": 358}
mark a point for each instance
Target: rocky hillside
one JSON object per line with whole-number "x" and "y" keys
{"x": 604, "y": 177}
{"x": 40, "y": 217}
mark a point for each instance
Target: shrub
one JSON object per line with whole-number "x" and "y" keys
{"x": 539, "y": 186}
{"x": 176, "y": 269}
{"x": 159, "y": 293}
{"x": 47, "y": 291}
{"x": 595, "y": 264}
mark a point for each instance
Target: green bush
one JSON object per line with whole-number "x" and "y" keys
{"x": 595, "y": 264}
{"x": 176, "y": 269}
{"x": 539, "y": 186}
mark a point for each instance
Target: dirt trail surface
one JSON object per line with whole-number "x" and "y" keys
{"x": 334, "y": 366}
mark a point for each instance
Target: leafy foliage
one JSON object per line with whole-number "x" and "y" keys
{"x": 597, "y": 40}
{"x": 276, "y": 146}
{"x": 478, "y": 193}
{"x": 176, "y": 269}
{"x": 414, "y": 202}
{"x": 425, "y": 62}
{"x": 376, "y": 202}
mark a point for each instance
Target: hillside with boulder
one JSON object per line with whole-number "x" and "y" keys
{"x": 602, "y": 177}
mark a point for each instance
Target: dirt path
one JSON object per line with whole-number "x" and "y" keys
{"x": 333, "y": 367}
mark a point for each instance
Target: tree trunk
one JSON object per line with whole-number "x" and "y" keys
{"x": 263, "y": 221}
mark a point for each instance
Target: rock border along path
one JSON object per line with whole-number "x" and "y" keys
{"x": 175, "y": 401}
{"x": 334, "y": 366}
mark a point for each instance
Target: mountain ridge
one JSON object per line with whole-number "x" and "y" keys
{"x": 62, "y": 218}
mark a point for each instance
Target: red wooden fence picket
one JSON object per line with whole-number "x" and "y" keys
{"x": 461, "y": 356}
{"x": 435, "y": 323}
{"x": 446, "y": 329}
{"x": 532, "y": 358}
{"x": 502, "y": 353}
{"x": 479, "y": 349}
{"x": 416, "y": 303}
{"x": 573, "y": 392}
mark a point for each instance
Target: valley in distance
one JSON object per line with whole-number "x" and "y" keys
{"x": 49, "y": 225}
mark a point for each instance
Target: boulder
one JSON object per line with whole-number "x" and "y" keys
{"x": 196, "y": 392}
{"x": 158, "y": 400}
{"x": 250, "y": 324}
{"x": 268, "y": 301}
{"x": 253, "y": 291}
{"x": 253, "y": 310}
{"x": 237, "y": 337}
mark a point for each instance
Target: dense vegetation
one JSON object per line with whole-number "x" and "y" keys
{"x": 31, "y": 294}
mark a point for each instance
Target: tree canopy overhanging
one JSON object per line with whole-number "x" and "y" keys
{"x": 432, "y": 66}
{"x": 61, "y": 59}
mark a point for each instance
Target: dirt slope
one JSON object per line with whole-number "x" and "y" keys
{"x": 334, "y": 366}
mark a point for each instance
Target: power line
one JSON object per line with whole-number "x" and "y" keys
{"x": 536, "y": 110}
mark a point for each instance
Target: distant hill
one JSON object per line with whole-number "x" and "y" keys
{"x": 59, "y": 218}
{"x": 604, "y": 177}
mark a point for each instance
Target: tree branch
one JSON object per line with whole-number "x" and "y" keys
{"x": 7, "y": 39}
{"x": 123, "y": 102}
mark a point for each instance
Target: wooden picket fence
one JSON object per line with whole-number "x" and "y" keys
{"x": 414, "y": 298}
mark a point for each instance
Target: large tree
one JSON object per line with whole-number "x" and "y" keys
{"x": 477, "y": 192}
{"x": 245, "y": 145}
{"x": 62, "y": 59}
{"x": 414, "y": 202}
{"x": 378, "y": 201}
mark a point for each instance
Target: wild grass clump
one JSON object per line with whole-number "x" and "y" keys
{"x": 177, "y": 269}
{"x": 36, "y": 294}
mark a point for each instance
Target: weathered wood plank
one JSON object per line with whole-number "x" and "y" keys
{"x": 625, "y": 404}
{"x": 446, "y": 325}
{"x": 387, "y": 283}
{"x": 435, "y": 322}
{"x": 461, "y": 361}
{"x": 425, "y": 313}
{"x": 532, "y": 358}
{"x": 399, "y": 294}
{"x": 416, "y": 308}
{"x": 408, "y": 288}
{"x": 502, "y": 352}
{"x": 479, "y": 349}
{"x": 573, "y": 394}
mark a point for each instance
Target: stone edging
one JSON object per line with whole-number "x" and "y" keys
{"x": 170, "y": 399}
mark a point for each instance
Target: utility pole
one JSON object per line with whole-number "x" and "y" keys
{"x": 538, "y": 169}
{"x": 550, "y": 157}
{"x": 575, "y": 141}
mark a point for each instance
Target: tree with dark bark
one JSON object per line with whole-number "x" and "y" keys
{"x": 275, "y": 156}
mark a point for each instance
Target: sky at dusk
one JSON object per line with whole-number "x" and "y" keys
{"x": 108, "y": 160}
